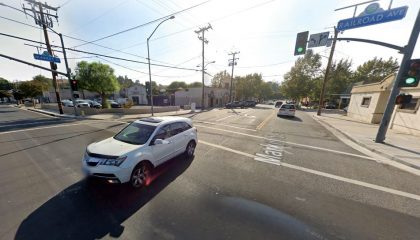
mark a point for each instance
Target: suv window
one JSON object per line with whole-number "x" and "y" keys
{"x": 287, "y": 106}
{"x": 163, "y": 133}
{"x": 176, "y": 128}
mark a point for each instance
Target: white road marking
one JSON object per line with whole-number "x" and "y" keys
{"x": 292, "y": 143}
{"x": 60, "y": 125}
{"x": 221, "y": 119}
{"x": 262, "y": 124}
{"x": 326, "y": 175}
{"x": 226, "y": 125}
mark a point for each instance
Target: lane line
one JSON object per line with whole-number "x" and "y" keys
{"x": 226, "y": 125}
{"x": 221, "y": 119}
{"x": 324, "y": 174}
{"x": 262, "y": 124}
{"x": 60, "y": 125}
{"x": 292, "y": 143}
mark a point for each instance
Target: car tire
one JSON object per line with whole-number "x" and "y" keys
{"x": 189, "y": 150}
{"x": 141, "y": 175}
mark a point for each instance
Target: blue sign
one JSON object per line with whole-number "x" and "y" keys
{"x": 46, "y": 57}
{"x": 368, "y": 18}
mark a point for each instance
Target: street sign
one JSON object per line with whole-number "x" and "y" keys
{"x": 318, "y": 40}
{"x": 373, "y": 14}
{"x": 45, "y": 56}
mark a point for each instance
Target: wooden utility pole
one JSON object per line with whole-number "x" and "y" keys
{"x": 232, "y": 62}
{"x": 200, "y": 33}
{"x": 327, "y": 72}
{"x": 44, "y": 19}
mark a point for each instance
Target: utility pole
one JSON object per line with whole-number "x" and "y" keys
{"x": 44, "y": 19}
{"x": 408, "y": 52}
{"x": 327, "y": 72}
{"x": 232, "y": 62}
{"x": 203, "y": 41}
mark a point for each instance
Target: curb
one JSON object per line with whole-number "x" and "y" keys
{"x": 390, "y": 157}
{"x": 48, "y": 113}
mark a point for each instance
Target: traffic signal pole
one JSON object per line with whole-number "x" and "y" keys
{"x": 327, "y": 72}
{"x": 408, "y": 52}
{"x": 68, "y": 73}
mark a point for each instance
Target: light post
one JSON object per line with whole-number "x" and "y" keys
{"x": 148, "y": 60}
{"x": 202, "y": 92}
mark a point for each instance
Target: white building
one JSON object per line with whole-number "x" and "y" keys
{"x": 213, "y": 97}
{"x": 137, "y": 94}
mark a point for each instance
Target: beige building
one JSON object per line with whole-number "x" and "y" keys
{"x": 368, "y": 101}
{"x": 406, "y": 118}
{"x": 213, "y": 97}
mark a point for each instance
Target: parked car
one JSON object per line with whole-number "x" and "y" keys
{"x": 113, "y": 104}
{"x": 278, "y": 104}
{"x": 287, "y": 110}
{"x": 250, "y": 103}
{"x": 330, "y": 106}
{"x": 346, "y": 109}
{"x": 94, "y": 104}
{"x": 133, "y": 153}
{"x": 235, "y": 104}
{"x": 80, "y": 103}
{"x": 67, "y": 103}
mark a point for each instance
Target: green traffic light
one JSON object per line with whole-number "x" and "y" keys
{"x": 300, "y": 49}
{"x": 410, "y": 80}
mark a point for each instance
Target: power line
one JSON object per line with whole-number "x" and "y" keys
{"x": 97, "y": 54}
{"x": 65, "y": 3}
{"x": 142, "y": 25}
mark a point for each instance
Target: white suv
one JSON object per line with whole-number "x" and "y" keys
{"x": 131, "y": 154}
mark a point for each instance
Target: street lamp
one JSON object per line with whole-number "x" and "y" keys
{"x": 148, "y": 59}
{"x": 203, "y": 69}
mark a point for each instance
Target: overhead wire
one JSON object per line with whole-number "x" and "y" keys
{"x": 142, "y": 25}
{"x": 98, "y": 54}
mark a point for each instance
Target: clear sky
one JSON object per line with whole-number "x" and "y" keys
{"x": 264, "y": 31}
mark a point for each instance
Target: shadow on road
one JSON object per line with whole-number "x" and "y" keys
{"x": 91, "y": 210}
{"x": 296, "y": 119}
{"x": 24, "y": 124}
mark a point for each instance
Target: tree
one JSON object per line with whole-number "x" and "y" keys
{"x": 42, "y": 81}
{"x": 265, "y": 91}
{"x": 195, "y": 85}
{"x": 248, "y": 87}
{"x": 375, "y": 70}
{"x": 220, "y": 78}
{"x": 125, "y": 83}
{"x": 5, "y": 94}
{"x": 299, "y": 81}
{"x": 340, "y": 77}
{"x": 30, "y": 89}
{"x": 5, "y": 84}
{"x": 174, "y": 86}
{"x": 97, "y": 77}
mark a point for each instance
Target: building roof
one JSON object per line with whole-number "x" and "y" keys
{"x": 382, "y": 86}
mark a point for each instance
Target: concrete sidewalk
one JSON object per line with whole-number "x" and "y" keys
{"x": 108, "y": 116}
{"x": 398, "y": 146}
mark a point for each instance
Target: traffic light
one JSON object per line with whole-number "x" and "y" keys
{"x": 147, "y": 88}
{"x": 54, "y": 67}
{"x": 411, "y": 76}
{"x": 74, "y": 86}
{"x": 403, "y": 99}
{"x": 301, "y": 41}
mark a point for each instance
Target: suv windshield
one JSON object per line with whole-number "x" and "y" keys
{"x": 288, "y": 106}
{"x": 135, "y": 133}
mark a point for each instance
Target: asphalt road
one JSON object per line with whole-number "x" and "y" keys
{"x": 254, "y": 176}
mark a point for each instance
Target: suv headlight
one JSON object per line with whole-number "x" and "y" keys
{"x": 113, "y": 162}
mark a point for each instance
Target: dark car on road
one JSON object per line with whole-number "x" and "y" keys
{"x": 278, "y": 104}
{"x": 114, "y": 104}
{"x": 250, "y": 103}
{"x": 235, "y": 104}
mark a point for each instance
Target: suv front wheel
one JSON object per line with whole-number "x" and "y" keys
{"x": 141, "y": 175}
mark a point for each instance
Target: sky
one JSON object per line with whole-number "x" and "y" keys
{"x": 262, "y": 31}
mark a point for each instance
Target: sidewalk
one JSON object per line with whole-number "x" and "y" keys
{"x": 400, "y": 147}
{"x": 109, "y": 116}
